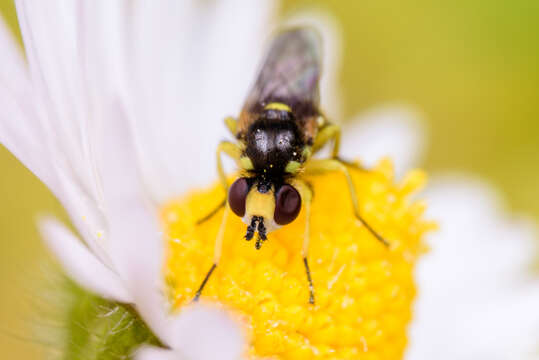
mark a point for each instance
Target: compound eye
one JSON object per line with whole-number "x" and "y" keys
{"x": 237, "y": 195}
{"x": 287, "y": 205}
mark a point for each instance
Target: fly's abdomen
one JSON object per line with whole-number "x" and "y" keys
{"x": 289, "y": 77}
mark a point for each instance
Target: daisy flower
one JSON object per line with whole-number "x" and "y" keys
{"x": 117, "y": 111}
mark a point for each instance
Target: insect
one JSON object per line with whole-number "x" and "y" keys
{"x": 278, "y": 131}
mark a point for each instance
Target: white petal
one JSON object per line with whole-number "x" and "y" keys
{"x": 475, "y": 297}
{"x": 18, "y": 134}
{"x": 22, "y": 134}
{"x": 82, "y": 209}
{"x": 80, "y": 264}
{"x": 52, "y": 41}
{"x": 201, "y": 332}
{"x": 134, "y": 233}
{"x": 13, "y": 72}
{"x": 468, "y": 210}
{"x": 331, "y": 34}
{"x": 66, "y": 111}
{"x": 233, "y": 49}
{"x": 134, "y": 239}
{"x": 18, "y": 130}
{"x": 153, "y": 353}
{"x": 202, "y": 57}
{"x": 393, "y": 131}
{"x": 103, "y": 47}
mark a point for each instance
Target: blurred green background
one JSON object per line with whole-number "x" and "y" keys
{"x": 471, "y": 66}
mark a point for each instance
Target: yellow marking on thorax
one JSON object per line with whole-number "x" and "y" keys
{"x": 278, "y": 106}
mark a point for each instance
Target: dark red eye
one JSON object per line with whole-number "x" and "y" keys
{"x": 237, "y": 195}
{"x": 287, "y": 205}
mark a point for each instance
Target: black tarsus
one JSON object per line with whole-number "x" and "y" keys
{"x": 262, "y": 229}
{"x": 251, "y": 229}
{"x": 378, "y": 237}
{"x": 199, "y": 291}
{"x": 311, "y": 287}
{"x": 262, "y": 236}
{"x": 372, "y": 231}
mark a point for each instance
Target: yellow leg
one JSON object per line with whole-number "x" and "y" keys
{"x": 318, "y": 166}
{"x": 216, "y": 252}
{"x": 232, "y": 125}
{"x": 234, "y": 151}
{"x": 220, "y": 237}
{"x": 306, "y": 196}
{"x": 327, "y": 133}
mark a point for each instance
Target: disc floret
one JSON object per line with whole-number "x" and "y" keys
{"x": 364, "y": 290}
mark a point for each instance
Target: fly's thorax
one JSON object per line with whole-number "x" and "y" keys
{"x": 274, "y": 145}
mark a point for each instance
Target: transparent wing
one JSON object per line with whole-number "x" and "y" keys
{"x": 290, "y": 73}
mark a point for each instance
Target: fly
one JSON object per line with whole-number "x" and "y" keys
{"x": 278, "y": 130}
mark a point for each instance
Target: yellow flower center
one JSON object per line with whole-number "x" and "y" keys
{"x": 363, "y": 290}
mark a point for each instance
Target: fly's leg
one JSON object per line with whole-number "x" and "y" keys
{"x": 306, "y": 195}
{"x": 209, "y": 215}
{"x": 233, "y": 150}
{"x": 232, "y": 125}
{"x": 328, "y": 132}
{"x": 216, "y": 253}
{"x": 317, "y": 166}
{"x": 331, "y": 132}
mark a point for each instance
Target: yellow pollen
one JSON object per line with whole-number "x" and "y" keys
{"x": 363, "y": 290}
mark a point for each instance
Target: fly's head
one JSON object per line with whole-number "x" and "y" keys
{"x": 263, "y": 205}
